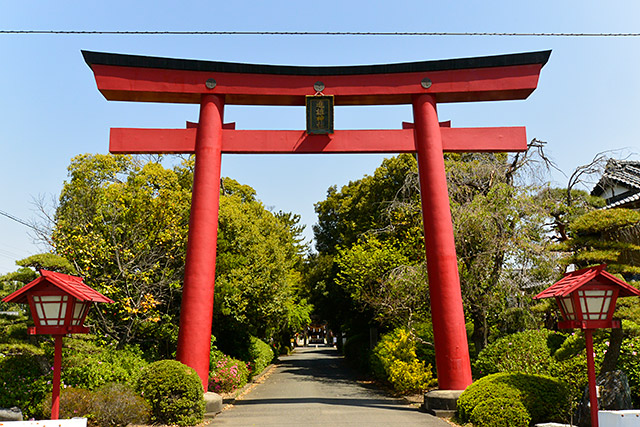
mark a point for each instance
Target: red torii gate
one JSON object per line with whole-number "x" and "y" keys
{"x": 421, "y": 84}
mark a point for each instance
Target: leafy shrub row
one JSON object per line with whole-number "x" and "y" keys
{"x": 545, "y": 398}
{"x": 540, "y": 352}
{"x": 86, "y": 365}
{"x": 261, "y": 355}
{"x": 356, "y": 351}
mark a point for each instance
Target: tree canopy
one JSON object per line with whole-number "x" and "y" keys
{"x": 371, "y": 230}
{"x": 122, "y": 224}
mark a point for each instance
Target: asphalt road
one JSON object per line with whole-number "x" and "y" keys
{"x": 313, "y": 387}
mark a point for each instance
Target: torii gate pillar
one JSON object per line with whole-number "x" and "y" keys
{"x": 200, "y": 266}
{"x": 422, "y": 84}
{"x": 449, "y": 332}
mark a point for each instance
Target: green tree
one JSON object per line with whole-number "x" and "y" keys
{"x": 257, "y": 270}
{"x": 499, "y": 232}
{"x": 378, "y": 216}
{"x": 122, "y": 223}
{"x": 382, "y": 279}
{"x": 612, "y": 237}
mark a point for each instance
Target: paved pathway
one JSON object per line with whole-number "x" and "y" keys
{"x": 313, "y": 387}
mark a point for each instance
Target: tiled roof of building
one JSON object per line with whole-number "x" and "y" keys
{"x": 626, "y": 201}
{"x": 624, "y": 172}
{"x": 621, "y": 172}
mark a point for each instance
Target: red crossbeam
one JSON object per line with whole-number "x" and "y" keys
{"x": 171, "y": 141}
{"x": 159, "y": 85}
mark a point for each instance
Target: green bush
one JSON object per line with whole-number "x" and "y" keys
{"x": 629, "y": 362}
{"x": 89, "y": 366}
{"x": 174, "y": 392}
{"x": 112, "y": 405}
{"x": 226, "y": 374}
{"x": 260, "y": 355}
{"x": 394, "y": 360}
{"x": 74, "y": 402}
{"x": 13, "y": 331}
{"x": 529, "y": 352}
{"x": 573, "y": 372}
{"x": 117, "y": 405}
{"x": 500, "y": 412}
{"x": 25, "y": 378}
{"x": 545, "y": 398}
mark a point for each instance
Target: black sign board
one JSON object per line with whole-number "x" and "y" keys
{"x": 319, "y": 114}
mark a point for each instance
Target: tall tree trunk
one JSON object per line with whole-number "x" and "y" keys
{"x": 479, "y": 335}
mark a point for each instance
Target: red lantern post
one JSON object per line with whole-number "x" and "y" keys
{"x": 587, "y": 300}
{"x": 59, "y": 304}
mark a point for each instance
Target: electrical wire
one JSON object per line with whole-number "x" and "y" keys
{"x": 321, "y": 33}
{"x": 16, "y": 219}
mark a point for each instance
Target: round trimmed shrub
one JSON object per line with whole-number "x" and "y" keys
{"x": 500, "y": 412}
{"x": 174, "y": 392}
{"x": 545, "y": 398}
{"x": 356, "y": 351}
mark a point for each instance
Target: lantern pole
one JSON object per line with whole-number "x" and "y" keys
{"x": 57, "y": 368}
{"x": 591, "y": 373}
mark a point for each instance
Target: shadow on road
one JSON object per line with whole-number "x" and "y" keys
{"x": 326, "y": 367}
{"x": 319, "y": 365}
{"x": 338, "y": 401}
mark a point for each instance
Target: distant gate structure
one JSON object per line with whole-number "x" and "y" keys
{"x": 422, "y": 84}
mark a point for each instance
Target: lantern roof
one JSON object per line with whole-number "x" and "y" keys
{"x": 71, "y": 285}
{"x": 587, "y": 276}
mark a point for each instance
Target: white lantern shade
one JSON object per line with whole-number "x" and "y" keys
{"x": 51, "y": 310}
{"x": 595, "y": 303}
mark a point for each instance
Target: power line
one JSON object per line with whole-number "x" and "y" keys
{"x": 320, "y": 33}
{"x": 16, "y": 219}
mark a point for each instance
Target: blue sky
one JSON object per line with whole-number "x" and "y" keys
{"x": 587, "y": 100}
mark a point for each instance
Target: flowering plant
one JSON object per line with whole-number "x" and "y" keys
{"x": 227, "y": 374}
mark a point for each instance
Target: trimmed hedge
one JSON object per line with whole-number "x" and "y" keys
{"x": 174, "y": 392}
{"x": 356, "y": 351}
{"x": 87, "y": 365}
{"x": 261, "y": 355}
{"x": 545, "y": 398}
{"x": 500, "y": 412}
